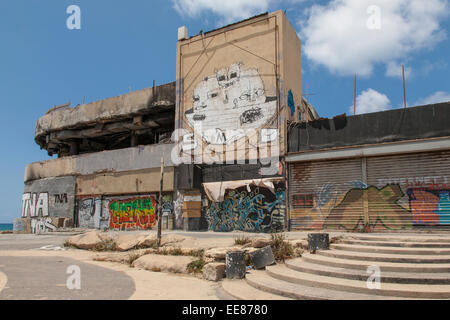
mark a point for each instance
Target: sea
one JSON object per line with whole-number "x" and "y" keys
{"x": 6, "y": 226}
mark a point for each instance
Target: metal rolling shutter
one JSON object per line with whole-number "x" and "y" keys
{"x": 320, "y": 194}
{"x": 409, "y": 190}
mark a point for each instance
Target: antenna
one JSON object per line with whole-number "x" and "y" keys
{"x": 404, "y": 85}
{"x": 354, "y": 97}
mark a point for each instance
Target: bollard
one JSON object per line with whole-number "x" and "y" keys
{"x": 318, "y": 241}
{"x": 262, "y": 258}
{"x": 235, "y": 265}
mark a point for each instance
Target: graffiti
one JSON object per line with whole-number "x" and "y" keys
{"x": 178, "y": 210}
{"x": 42, "y": 225}
{"x": 135, "y": 213}
{"x": 254, "y": 210}
{"x": 91, "y": 214}
{"x": 236, "y": 92}
{"x": 383, "y": 210}
{"x": 167, "y": 205}
{"x": 302, "y": 200}
{"x": 35, "y": 205}
{"x": 61, "y": 198}
{"x": 429, "y": 207}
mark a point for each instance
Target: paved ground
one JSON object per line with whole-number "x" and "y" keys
{"x": 35, "y": 267}
{"x": 42, "y": 278}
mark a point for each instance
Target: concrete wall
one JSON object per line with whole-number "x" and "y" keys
{"x": 126, "y": 212}
{"x": 125, "y": 182}
{"x": 130, "y": 159}
{"x": 47, "y": 204}
{"x": 227, "y": 80}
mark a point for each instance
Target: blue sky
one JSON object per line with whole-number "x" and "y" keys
{"x": 125, "y": 44}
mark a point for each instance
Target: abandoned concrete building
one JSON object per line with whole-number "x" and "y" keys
{"x": 242, "y": 149}
{"x": 227, "y": 114}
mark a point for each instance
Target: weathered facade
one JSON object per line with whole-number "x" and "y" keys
{"x": 107, "y": 174}
{"x": 237, "y": 88}
{"x": 374, "y": 172}
{"x": 221, "y": 129}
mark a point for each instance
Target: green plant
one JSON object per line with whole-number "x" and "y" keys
{"x": 242, "y": 240}
{"x": 68, "y": 244}
{"x": 196, "y": 266}
{"x": 281, "y": 248}
{"x": 105, "y": 245}
{"x": 133, "y": 256}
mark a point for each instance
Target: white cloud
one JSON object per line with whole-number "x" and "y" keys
{"x": 394, "y": 69}
{"x": 439, "y": 96}
{"x": 228, "y": 10}
{"x": 344, "y": 35}
{"x": 371, "y": 101}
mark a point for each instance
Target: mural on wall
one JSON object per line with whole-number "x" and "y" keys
{"x": 229, "y": 101}
{"x": 399, "y": 205}
{"x": 429, "y": 207}
{"x": 254, "y": 209}
{"x": 91, "y": 214}
{"x": 133, "y": 213}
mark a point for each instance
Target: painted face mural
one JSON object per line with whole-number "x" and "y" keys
{"x": 228, "y": 102}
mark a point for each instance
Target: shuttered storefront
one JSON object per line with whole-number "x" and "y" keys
{"x": 373, "y": 194}
{"x": 315, "y": 189}
{"x": 409, "y": 190}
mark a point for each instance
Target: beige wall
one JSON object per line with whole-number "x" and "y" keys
{"x": 144, "y": 181}
{"x": 227, "y": 79}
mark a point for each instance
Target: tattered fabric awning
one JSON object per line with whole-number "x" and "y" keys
{"x": 216, "y": 190}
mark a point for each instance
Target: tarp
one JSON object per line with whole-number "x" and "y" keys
{"x": 216, "y": 190}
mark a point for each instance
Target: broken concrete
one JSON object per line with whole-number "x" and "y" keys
{"x": 261, "y": 243}
{"x": 160, "y": 263}
{"x": 235, "y": 265}
{"x": 86, "y": 241}
{"x": 214, "y": 271}
{"x": 262, "y": 258}
{"x": 88, "y": 127}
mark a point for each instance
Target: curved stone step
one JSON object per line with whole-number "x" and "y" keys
{"x": 396, "y": 244}
{"x": 400, "y": 238}
{"x": 241, "y": 290}
{"x": 410, "y": 291}
{"x": 390, "y": 250}
{"x": 362, "y": 275}
{"x": 263, "y": 281}
{"x": 384, "y": 266}
{"x": 401, "y": 258}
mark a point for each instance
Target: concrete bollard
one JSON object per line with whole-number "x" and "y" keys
{"x": 262, "y": 258}
{"x": 318, "y": 241}
{"x": 235, "y": 265}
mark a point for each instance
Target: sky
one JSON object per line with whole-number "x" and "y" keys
{"x": 128, "y": 44}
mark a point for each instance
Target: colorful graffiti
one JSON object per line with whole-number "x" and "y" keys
{"x": 134, "y": 213}
{"x": 382, "y": 210}
{"x": 429, "y": 207}
{"x": 354, "y": 206}
{"x": 255, "y": 209}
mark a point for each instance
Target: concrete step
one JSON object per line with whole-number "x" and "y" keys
{"x": 384, "y": 266}
{"x": 241, "y": 290}
{"x": 384, "y": 257}
{"x": 362, "y": 275}
{"x": 410, "y": 291}
{"x": 396, "y": 244}
{"x": 399, "y": 238}
{"x": 391, "y": 250}
{"x": 263, "y": 281}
